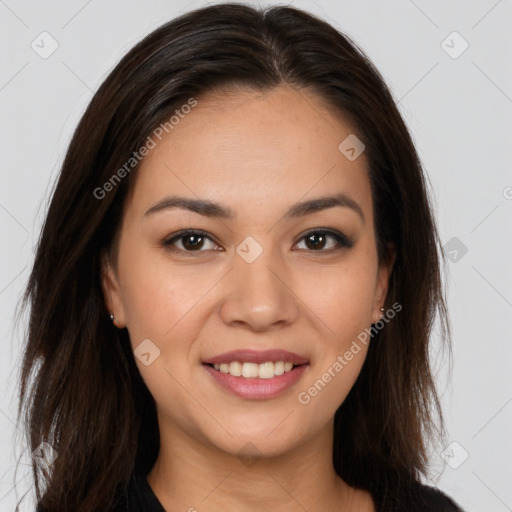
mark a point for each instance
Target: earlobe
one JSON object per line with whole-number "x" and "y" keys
{"x": 111, "y": 291}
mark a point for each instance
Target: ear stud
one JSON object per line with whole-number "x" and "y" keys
{"x": 113, "y": 320}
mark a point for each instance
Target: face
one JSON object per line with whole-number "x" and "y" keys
{"x": 246, "y": 283}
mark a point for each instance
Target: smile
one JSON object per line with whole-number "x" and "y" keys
{"x": 266, "y": 370}
{"x": 254, "y": 374}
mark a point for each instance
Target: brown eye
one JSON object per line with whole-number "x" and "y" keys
{"x": 192, "y": 242}
{"x": 317, "y": 240}
{"x": 189, "y": 241}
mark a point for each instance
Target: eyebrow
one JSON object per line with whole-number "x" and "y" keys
{"x": 211, "y": 209}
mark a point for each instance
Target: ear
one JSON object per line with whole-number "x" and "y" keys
{"x": 381, "y": 289}
{"x": 112, "y": 291}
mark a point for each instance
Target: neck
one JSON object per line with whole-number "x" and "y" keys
{"x": 189, "y": 475}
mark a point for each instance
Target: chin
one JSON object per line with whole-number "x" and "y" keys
{"x": 255, "y": 445}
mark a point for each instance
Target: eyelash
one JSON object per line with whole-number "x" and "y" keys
{"x": 343, "y": 241}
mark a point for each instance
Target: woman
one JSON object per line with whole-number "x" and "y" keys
{"x": 234, "y": 289}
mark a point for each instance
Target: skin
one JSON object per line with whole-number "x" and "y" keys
{"x": 258, "y": 154}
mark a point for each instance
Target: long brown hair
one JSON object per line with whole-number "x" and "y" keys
{"x": 81, "y": 391}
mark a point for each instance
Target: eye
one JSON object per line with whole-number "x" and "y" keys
{"x": 190, "y": 241}
{"x": 316, "y": 239}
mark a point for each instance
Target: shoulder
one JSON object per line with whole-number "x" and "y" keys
{"x": 413, "y": 496}
{"x": 420, "y": 498}
{"x": 434, "y": 499}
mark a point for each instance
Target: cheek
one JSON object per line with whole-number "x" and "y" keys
{"x": 342, "y": 296}
{"x": 346, "y": 311}
{"x": 342, "y": 299}
{"x": 331, "y": 384}
{"x": 165, "y": 304}
{"x": 158, "y": 294}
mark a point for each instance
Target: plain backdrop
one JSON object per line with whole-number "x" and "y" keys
{"x": 448, "y": 65}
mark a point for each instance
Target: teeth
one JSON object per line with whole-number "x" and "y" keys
{"x": 252, "y": 370}
{"x": 235, "y": 368}
{"x": 266, "y": 370}
{"x": 249, "y": 370}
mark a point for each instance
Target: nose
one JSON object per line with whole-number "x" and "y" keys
{"x": 259, "y": 295}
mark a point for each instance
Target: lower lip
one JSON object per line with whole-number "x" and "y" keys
{"x": 255, "y": 388}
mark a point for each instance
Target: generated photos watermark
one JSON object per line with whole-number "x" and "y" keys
{"x": 304, "y": 397}
{"x": 137, "y": 156}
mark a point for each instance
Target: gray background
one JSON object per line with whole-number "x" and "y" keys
{"x": 458, "y": 105}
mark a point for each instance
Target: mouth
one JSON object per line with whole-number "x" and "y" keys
{"x": 246, "y": 370}
{"x": 256, "y": 374}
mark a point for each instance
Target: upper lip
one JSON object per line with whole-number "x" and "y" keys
{"x": 257, "y": 356}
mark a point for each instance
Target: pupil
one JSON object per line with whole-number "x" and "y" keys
{"x": 321, "y": 237}
{"x": 195, "y": 244}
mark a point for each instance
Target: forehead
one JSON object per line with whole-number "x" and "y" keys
{"x": 252, "y": 149}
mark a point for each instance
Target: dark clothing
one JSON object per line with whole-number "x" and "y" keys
{"x": 139, "y": 497}
{"x": 419, "y": 498}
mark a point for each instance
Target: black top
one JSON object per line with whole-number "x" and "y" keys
{"x": 139, "y": 497}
